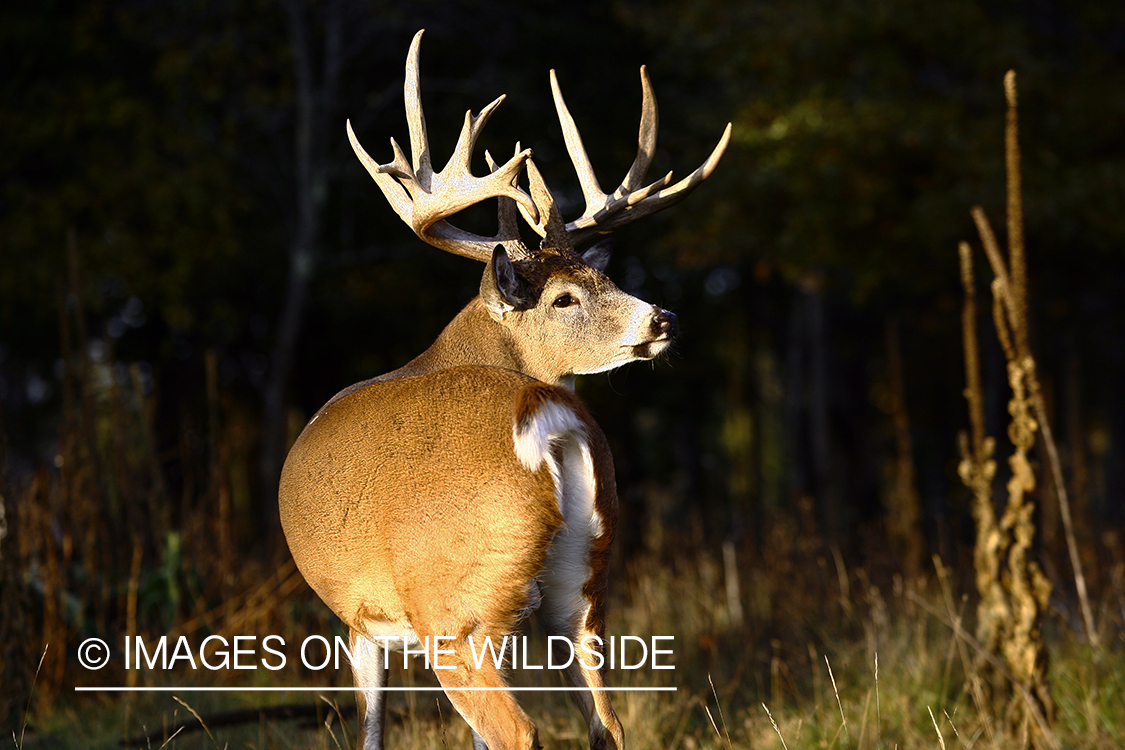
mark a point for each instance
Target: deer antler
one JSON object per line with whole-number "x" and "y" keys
{"x": 423, "y": 198}
{"x": 629, "y": 202}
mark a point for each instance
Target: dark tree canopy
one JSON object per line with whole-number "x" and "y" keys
{"x": 153, "y": 187}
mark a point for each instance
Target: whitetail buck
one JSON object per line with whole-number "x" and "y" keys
{"x": 452, "y": 496}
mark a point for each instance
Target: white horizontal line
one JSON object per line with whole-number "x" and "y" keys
{"x": 124, "y": 689}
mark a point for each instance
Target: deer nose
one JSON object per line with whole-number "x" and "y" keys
{"x": 664, "y": 323}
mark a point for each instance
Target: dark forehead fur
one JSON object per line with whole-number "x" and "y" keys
{"x": 542, "y": 264}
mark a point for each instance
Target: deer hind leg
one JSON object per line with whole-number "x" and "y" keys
{"x": 606, "y": 732}
{"x": 369, "y": 673}
{"x": 497, "y": 721}
{"x": 567, "y": 606}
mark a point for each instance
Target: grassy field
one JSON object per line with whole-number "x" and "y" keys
{"x": 800, "y": 654}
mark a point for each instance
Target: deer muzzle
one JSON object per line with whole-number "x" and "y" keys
{"x": 664, "y": 325}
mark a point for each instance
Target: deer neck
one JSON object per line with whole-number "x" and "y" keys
{"x": 474, "y": 338}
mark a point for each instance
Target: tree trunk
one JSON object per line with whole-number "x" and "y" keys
{"x": 314, "y": 102}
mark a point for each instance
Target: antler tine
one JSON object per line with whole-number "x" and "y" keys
{"x": 470, "y": 131}
{"x": 591, "y": 190}
{"x": 506, "y": 215}
{"x": 646, "y": 138}
{"x": 415, "y": 117}
{"x": 535, "y": 221}
{"x": 394, "y": 192}
{"x": 424, "y": 199}
{"x": 549, "y": 223}
{"x": 551, "y": 226}
{"x": 606, "y": 212}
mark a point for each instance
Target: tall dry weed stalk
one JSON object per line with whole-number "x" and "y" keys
{"x": 1013, "y": 589}
{"x": 1014, "y": 296}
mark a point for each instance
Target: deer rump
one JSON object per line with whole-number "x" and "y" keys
{"x": 393, "y": 524}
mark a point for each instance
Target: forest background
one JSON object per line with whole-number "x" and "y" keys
{"x": 194, "y": 261}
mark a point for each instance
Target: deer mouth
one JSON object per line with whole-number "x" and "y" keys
{"x": 651, "y": 349}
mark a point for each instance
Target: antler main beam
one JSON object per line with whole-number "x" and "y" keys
{"x": 424, "y": 199}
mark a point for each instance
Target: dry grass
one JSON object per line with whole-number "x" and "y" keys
{"x": 862, "y": 667}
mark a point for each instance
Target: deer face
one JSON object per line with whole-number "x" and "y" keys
{"x": 567, "y": 318}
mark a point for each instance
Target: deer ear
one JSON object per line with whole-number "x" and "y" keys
{"x": 499, "y": 288}
{"x": 597, "y": 256}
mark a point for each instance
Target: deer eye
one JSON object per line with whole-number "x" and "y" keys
{"x": 564, "y": 300}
